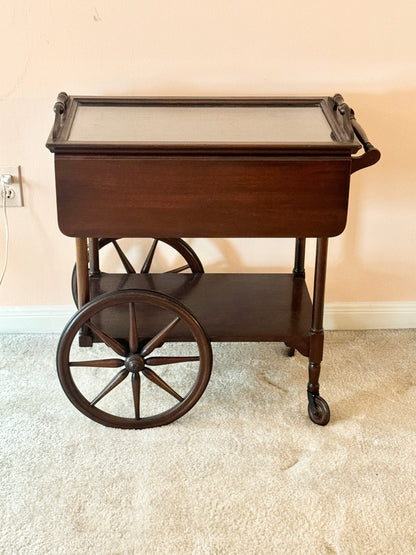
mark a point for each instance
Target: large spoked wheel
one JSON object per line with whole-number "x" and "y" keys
{"x": 172, "y": 255}
{"x": 132, "y": 376}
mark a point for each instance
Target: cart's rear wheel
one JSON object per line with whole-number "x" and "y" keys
{"x": 134, "y": 256}
{"x": 318, "y": 410}
{"x": 131, "y": 331}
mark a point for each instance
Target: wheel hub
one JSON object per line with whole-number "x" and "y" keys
{"x": 135, "y": 363}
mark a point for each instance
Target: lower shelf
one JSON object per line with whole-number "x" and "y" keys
{"x": 230, "y": 307}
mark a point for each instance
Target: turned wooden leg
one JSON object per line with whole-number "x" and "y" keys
{"x": 317, "y": 407}
{"x": 85, "y": 338}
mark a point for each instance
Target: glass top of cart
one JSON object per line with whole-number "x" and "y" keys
{"x": 147, "y": 124}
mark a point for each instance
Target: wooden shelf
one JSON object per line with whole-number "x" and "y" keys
{"x": 230, "y": 307}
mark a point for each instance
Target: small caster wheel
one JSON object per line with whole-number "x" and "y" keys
{"x": 319, "y": 413}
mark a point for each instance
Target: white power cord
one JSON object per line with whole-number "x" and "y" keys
{"x": 5, "y": 180}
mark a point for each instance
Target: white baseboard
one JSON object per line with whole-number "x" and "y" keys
{"x": 367, "y": 316}
{"x": 338, "y": 316}
{"x": 35, "y": 319}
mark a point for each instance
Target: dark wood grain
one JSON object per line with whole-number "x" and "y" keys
{"x": 230, "y": 307}
{"x": 202, "y": 196}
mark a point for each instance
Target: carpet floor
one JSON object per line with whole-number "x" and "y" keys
{"x": 244, "y": 472}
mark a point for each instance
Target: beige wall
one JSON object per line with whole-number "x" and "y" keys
{"x": 365, "y": 50}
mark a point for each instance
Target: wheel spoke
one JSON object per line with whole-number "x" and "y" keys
{"x": 109, "y": 341}
{"x": 118, "y": 378}
{"x": 160, "y": 361}
{"x": 149, "y": 258}
{"x": 125, "y": 261}
{"x": 104, "y": 363}
{"x": 177, "y": 270}
{"x": 135, "y": 382}
{"x": 158, "y": 338}
{"x": 157, "y": 380}
{"x": 133, "y": 339}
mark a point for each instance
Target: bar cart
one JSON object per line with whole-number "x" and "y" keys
{"x": 137, "y": 353}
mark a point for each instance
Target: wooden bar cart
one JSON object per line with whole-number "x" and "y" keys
{"x": 137, "y": 353}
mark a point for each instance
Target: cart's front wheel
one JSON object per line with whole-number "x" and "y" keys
{"x": 136, "y": 374}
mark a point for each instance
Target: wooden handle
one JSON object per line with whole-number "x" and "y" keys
{"x": 371, "y": 153}
{"x": 353, "y": 128}
{"x": 345, "y": 111}
{"x": 59, "y": 109}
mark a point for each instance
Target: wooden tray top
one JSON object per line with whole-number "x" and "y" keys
{"x": 180, "y": 167}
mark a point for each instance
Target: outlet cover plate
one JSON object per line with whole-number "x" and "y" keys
{"x": 16, "y": 185}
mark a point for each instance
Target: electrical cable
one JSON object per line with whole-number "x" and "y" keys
{"x": 6, "y": 224}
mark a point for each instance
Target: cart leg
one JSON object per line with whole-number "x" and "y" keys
{"x": 85, "y": 339}
{"x": 298, "y": 272}
{"x": 299, "y": 268}
{"x": 82, "y": 270}
{"x": 93, "y": 256}
{"x": 317, "y": 407}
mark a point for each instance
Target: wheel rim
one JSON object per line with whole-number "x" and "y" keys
{"x": 137, "y": 381}
{"x": 189, "y": 263}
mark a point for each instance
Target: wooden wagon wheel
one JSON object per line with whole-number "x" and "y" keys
{"x": 166, "y": 379}
{"x": 190, "y": 260}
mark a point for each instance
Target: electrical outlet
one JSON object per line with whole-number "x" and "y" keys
{"x": 11, "y": 186}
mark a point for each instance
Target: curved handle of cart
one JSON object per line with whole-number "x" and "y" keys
{"x": 371, "y": 153}
{"x": 353, "y": 128}
{"x": 59, "y": 109}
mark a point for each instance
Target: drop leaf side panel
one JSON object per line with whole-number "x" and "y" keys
{"x": 202, "y": 196}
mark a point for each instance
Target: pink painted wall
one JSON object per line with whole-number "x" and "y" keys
{"x": 365, "y": 50}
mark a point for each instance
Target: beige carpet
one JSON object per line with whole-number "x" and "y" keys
{"x": 245, "y": 472}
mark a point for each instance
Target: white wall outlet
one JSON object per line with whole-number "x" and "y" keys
{"x": 11, "y": 186}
